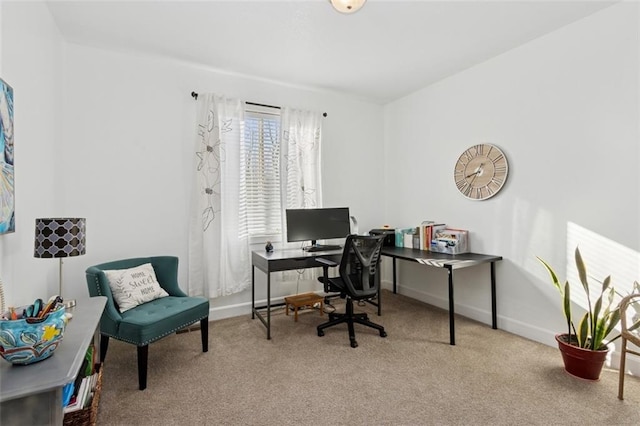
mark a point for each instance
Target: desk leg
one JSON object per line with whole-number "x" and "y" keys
{"x": 452, "y": 329}
{"x": 268, "y": 305}
{"x": 394, "y": 275}
{"x": 494, "y": 314}
{"x": 253, "y": 292}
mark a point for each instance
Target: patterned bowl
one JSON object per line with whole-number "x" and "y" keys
{"x": 29, "y": 340}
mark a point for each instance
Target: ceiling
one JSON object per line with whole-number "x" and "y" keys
{"x": 385, "y": 51}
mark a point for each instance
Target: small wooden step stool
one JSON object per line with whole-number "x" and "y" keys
{"x": 301, "y": 300}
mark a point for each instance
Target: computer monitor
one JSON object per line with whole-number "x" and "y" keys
{"x": 317, "y": 224}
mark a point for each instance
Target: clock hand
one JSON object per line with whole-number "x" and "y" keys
{"x": 477, "y": 172}
{"x": 474, "y": 178}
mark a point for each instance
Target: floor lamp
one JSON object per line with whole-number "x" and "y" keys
{"x": 59, "y": 238}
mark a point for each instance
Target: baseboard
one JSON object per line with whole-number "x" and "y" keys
{"x": 239, "y": 309}
{"x": 442, "y": 303}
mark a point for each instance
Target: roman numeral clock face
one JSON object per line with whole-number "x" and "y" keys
{"x": 481, "y": 171}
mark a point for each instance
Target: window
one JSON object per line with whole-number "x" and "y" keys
{"x": 262, "y": 146}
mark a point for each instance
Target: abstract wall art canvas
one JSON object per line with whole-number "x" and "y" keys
{"x": 7, "y": 188}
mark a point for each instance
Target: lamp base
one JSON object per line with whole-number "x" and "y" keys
{"x": 70, "y": 303}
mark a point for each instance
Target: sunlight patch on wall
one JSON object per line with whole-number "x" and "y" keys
{"x": 602, "y": 257}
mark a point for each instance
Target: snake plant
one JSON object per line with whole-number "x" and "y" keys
{"x": 601, "y": 317}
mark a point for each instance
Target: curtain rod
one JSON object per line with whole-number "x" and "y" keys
{"x": 263, "y": 105}
{"x": 195, "y": 96}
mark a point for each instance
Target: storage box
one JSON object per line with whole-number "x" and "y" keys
{"x": 450, "y": 241}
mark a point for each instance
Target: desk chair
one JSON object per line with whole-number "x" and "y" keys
{"x": 152, "y": 320}
{"x": 357, "y": 281}
{"x": 629, "y": 333}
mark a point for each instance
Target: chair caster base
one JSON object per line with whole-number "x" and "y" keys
{"x": 383, "y": 334}
{"x": 320, "y": 333}
{"x": 354, "y": 344}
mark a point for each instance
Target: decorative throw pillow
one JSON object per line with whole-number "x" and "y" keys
{"x": 134, "y": 286}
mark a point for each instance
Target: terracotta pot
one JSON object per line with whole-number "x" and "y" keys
{"x": 584, "y": 363}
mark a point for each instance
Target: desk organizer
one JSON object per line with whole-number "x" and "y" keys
{"x": 28, "y": 340}
{"x": 450, "y": 241}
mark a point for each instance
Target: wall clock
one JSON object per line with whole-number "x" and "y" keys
{"x": 481, "y": 171}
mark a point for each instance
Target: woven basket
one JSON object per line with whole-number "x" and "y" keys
{"x": 87, "y": 416}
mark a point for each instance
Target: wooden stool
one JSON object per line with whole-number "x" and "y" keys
{"x": 301, "y": 300}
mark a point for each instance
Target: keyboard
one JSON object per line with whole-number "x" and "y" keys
{"x": 323, "y": 248}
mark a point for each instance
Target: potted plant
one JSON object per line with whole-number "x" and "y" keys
{"x": 583, "y": 348}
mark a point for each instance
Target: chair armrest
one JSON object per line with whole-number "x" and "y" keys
{"x": 98, "y": 285}
{"x": 326, "y": 262}
{"x": 624, "y": 304}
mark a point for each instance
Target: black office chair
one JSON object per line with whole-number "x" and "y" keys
{"x": 357, "y": 281}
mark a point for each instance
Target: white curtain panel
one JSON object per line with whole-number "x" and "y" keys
{"x": 300, "y": 165}
{"x": 301, "y": 184}
{"x": 218, "y": 236}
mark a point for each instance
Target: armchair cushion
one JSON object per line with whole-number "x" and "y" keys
{"x": 160, "y": 317}
{"x": 134, "y": 286}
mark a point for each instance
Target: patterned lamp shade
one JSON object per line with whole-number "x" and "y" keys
{"x": 60, "y": 237}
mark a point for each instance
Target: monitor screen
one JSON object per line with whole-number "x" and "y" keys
{"x": 317, "y": 224}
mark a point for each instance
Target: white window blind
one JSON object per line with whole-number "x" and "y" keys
{"x": 262, "y": 145}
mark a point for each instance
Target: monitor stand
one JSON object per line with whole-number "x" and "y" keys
{"x": 321, "y": 247}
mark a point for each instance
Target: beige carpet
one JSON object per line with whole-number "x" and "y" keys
{"x": 412, "y": 377}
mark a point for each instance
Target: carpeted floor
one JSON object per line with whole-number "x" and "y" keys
{"x": 412, "y": 377}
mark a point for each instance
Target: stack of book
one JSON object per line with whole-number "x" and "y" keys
{"x": 433, "y": 236}
{"x": 78, "y": 394}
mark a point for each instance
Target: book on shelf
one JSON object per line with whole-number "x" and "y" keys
{"x": 405, "y": 237}
{"x": 84, "y": 384}
{"x": 77, "y": 401}
{"x": 424, "y": 226}
{"x": 89, "y": 358}
{"x": 82, "y": 399}
{"x": 408, "y": 239}
{"x": 427, "y": 228}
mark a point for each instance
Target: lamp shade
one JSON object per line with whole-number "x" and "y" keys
{"x": 347, "y": 6}
{"x": 60, "y": 237}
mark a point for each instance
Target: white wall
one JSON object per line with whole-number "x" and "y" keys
{"x": 128, "y": 140}
{"x": 564, "y": 109}
{"x": 30, "y": 53}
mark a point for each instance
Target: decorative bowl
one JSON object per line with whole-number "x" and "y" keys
{"x": 29, "y": 340}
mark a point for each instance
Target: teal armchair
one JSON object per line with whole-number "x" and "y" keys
{"x": 149, "y": 321}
